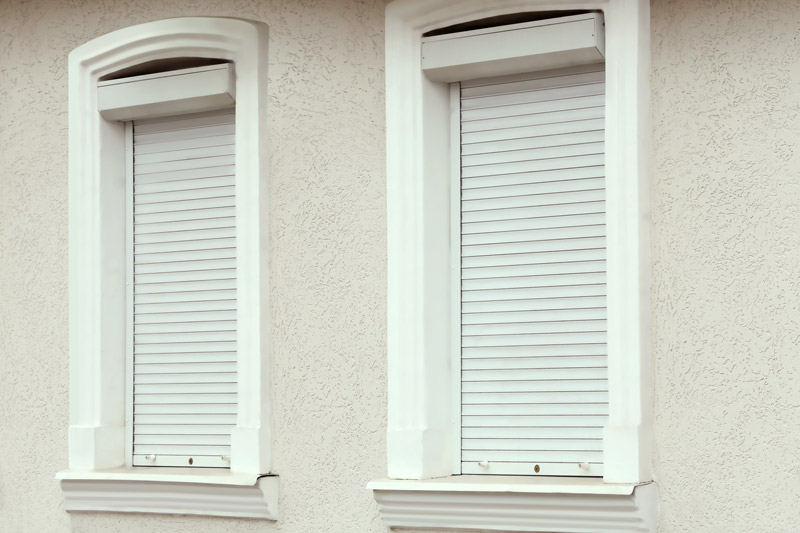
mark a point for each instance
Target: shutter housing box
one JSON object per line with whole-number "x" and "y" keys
{"x": 167, "y": 93}
{"x": 514, "y": 49}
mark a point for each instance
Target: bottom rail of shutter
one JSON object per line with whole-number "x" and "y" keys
{"x": 199, "y": 461}
{"x": 529, "y": 469}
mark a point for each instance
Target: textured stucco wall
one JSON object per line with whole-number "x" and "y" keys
{"x": 327, "y": 218}
{"x": 726, "y": 235}
{"x": 726, "y": 263}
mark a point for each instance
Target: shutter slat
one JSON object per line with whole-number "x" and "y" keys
{"x": 185, "y": 409}
{"x": 198, "y": 316}
{"x": 560, "y": 456}
{"x": 521, "y": 136}
{"x": 170, "y": 186}
{"x": 558, "y": 192}
{"x": 184, "y": 143}
{"x": 561, "y": 138}
{"x": 189, "y": 388}
{"x": 528, "y": 363}
{"x": 532, "y": 433}
{"x": 186, "y": 327}
{"x": 531, "y": 154}
{"x": 187, "y": 369}
{"x": 534, "y": 258}
{"x": 184, "y": 398}
{"x": 592, "y": 159}
{"x": 533, "y": 212}
{"x": 184, "y": 175}
{"x": 557, "y": 385}
{"x": 181, "y": 449}
{"x": 515, "y": 110}
{"x": 182, "y": 216}
{"x": 224, "y": 249}
{"x": 184, "y": 225}
{"x": 522, "y": 421}
{"x": 182, "y": 429}
{"x": 185, "y": 275}
{"x": 537, "y": 119}
{"x": 549, "y": 245}
{"x": 183, "y": 195}
{"x": 591, "y": 445}
{"x": 519, "y": 328}
{"x": 215, "y": 150}
{"x": 572, "y": 267}
{"x": 226, "y": 200}
{"x": 142, "y": 310}
{"x": 529, "y": 81}
{"x": 536, "y": 374}
{"x": 547, "y": 350}
{"x": 184, "y": 285}
{"x": 489, "y": 295}
{"x": 534, "y": 95}
{"x": 185, "y": 377}
{"x": 534, "y": 378}
{"x": 509, "y": 409}
{"x": 219, "y": 440}
{"x": 185, "y": 266}
{"x": 516, "y": 306}
{"x": 187, "y": 164}
{"x": 184, "y": 297}
{"x": 164, "y": 137}
{"x": 527, "y": 178}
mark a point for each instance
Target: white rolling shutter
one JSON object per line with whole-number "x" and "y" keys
{"x": 533, "y": 285}
{"x": 184, "y": 290}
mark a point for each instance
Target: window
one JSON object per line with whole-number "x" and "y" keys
{"x": 168, "y": 279}
{"x": 432, "y": 280}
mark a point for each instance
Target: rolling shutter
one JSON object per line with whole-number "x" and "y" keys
{"x": 184, "y": 290}
{"x": 533, "y": 282}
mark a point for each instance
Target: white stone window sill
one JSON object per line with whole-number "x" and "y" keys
{"x": 211, "y": 492}
{"x": 517, "y": 503}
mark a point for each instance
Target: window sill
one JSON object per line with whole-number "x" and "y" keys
{"x": 171, "y": 491}
{"x": 515, "y": 503}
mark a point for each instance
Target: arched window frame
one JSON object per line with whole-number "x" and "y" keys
{"x": 97, "y": 447}
{"x": 423, "y": 409}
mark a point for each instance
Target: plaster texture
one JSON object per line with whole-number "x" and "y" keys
{"x": 328, "y": 259}
{"x": 725, "y": 240}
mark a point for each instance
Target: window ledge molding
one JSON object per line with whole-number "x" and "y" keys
{"x": 514, "y": 503}
{"x": 173, "y": 492}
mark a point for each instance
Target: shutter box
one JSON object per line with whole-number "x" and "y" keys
{"x": 534, "y": 376}
{"x": 515, "y": 48}
{"x": 173, "y": 92}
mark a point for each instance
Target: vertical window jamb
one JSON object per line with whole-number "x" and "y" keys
{"x": 129, "y": 267}
{"x": 455, "y": 269}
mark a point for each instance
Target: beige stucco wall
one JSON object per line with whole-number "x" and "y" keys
{"x": 726, "y": 265}
{"x": 327, "y": 218}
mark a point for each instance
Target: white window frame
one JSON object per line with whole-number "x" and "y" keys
{"x": 100, "y": 475}
{"x": 422, "y": 415}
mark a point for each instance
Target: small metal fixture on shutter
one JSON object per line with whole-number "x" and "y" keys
{"x": 184, "y": 290}
{"x": 533, "y": 304}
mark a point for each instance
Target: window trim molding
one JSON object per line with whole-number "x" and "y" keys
{"x": 420, "y": 412}
{"x": 97, "y": 244}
